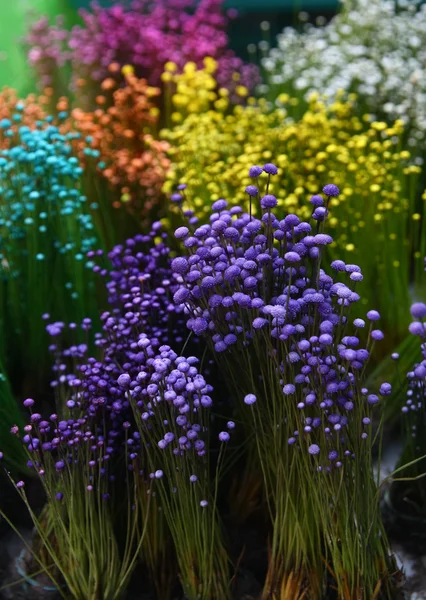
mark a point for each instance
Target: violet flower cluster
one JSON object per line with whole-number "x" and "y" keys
{"x": 245, "y": 278}
{"x": 279, "y": 326}
{"x": 146, "y": 36}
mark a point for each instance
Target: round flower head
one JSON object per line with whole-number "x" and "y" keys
{"x": 376, "y": 334}
{"x": 28, "y": 402}
{"x": 331, "y": 190}
{"x": 416, "y": 328}
{"x": 181, "y": 232}
{"x": 224, "y": 436}
{"x": 314, "y": 449}
{"x": 124, "y": 380}
{"x": 252, "y": 190}
{"x": 270, "y": 168}
{"x": 255, "y": 171}
{"x": 418, "y": 310}
{"x": 250, "y": 399}
{"x": 316, "y": 200}
{"x": 373, "y": 315}
{"x": 268, "y": 201}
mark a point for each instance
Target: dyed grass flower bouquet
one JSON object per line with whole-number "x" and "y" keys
{"x": 256, "y": 296}
{"x": 216, "y": 317}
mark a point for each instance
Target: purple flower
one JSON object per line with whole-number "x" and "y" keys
{"x": 376, "y": 334}
{"x": 255, "y": 171}
{"x": 252, "y": 190}
{"x": 268, "y": 201}
{"x": 314, "y": 449}
{"x": 331, "y": 190}
{"x": 270, "y": 168}
{"x": 224, "y": 436}
{"x": 316, "y": 200}
{"x": 289, "y": 389}
{"x": 418, "y": 310}
{"x": 416, "y": 328}
{"x": 373, "y": 315}
{"x": 29, "y": 402}
{"x": 124, "y": 380}
{"x": 250, "y": 399}
{"x": 181, "y": 232}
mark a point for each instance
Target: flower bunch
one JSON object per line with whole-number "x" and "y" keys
{"x": 147, "y": 35}
{"x": 408, "y": 493}
{"x": 154, "y": 403}
{"x": 75, "y": 539}
{"x": 212, "y": 152}
{"x": 123, "y": 134}
{"x": 373, "y": 48}
{"x": 46, "y": 228}
{"x": 255, "y": 290}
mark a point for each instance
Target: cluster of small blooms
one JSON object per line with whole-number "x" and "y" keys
{"x": 55, "y": 444}
{"x": 147, "y": 35}
{"x": 197, "y": 89}
{"x": 37, "y": 156}
{"x": 121, "y": 137}
{"x": 375, "y": 48}
{"x": 213, "y": 151}
{"x": 31, "y": 111}
{"x": 414, "y": 411}
{"x": 254, "y": 288}
{"x": 46, "y": 230}
{"x": 149, "y": 402}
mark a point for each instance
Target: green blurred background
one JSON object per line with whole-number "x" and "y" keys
{"x": 15, "y": 15}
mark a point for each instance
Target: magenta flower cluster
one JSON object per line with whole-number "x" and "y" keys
{"x": 146, "y": 35}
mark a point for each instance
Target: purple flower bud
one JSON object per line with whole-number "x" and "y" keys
{"x": 28, "y": 402}
{"x": 224, "y": 436}
{"x": 204, "y": 503}
{"x": 377, "y": 335}
{"x": 219, "y": 205}
{"x": 416, "y": 328}
{"x": 268, "y": 201}
{"x": 314, "y": 449}
{"x": 250, "y": 399}
{"x": 373, "y": 315}
{"x": 372, "y": 399}
{"x": 193, "y": 478}
{"x": 252, "y": 190}
{"x": 20, "y": 484}
{"x": 292, "y": 257}
{"x": 124, "y": 380}
{"x": 270, "y": 168}
{"x": 418, "y": 310}
{"x": 331, "y": 190}
{"x": 255, "y": 171}
{"x": 317, "y": 200}
{"x": 359, "y": 323}
{"x": 181, "y": 232}
{"x": 158, "y": 474}
{"x": 289, "y": 389}
{"x": 59, "y": 496}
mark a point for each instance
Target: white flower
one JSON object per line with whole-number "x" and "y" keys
{"x": 375, "y": 50}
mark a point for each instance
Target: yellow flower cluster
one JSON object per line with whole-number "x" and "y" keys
{"x": 194, "y": 91}
{"x": 213, "y": 150}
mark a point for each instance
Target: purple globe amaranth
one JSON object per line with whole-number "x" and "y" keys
{"x": 255, "y": 171}
{"x": 270, "y": 169}
{"x": 331, "y": 190}
{"x": 418, "y": 310}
